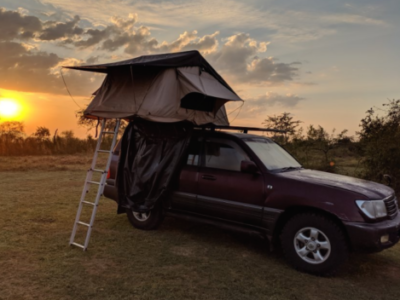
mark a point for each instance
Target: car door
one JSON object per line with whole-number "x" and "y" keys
{"x": 185, "y": 190}
{"x": 223, "y": 190}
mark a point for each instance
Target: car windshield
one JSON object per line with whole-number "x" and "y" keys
{"x": 272, "y": 155}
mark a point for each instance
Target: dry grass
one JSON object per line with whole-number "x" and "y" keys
{"x": 181, "y": 260}
{"x": 48, "y": 162}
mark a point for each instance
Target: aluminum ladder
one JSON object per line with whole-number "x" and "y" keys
{"x": 89, "y": 182}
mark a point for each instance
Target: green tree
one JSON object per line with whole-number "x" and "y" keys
{"x": 68, "y": 134}
{"x": 380, "y": 143}
{"x": 283, "y": 122}
{"x": 11, "y": 137}
{"x": 42, "y": 133}
{"x": 318, "y": 139}
{"x": 11, "y": 130}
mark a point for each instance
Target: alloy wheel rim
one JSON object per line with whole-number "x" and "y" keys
{"x": 312, "y": 245}
{"x": 141, "y": 216}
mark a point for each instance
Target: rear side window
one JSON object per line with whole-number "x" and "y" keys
{"x": 225, "y": 155}
{"x": 194, "y": 152}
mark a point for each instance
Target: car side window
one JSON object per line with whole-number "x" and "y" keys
{"x": 223, "y": 154}
{"x": 193, "y": 152}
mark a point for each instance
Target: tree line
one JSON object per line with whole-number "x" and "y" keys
{"x": 14, "y": 141}
{"x": 376, "y": 148}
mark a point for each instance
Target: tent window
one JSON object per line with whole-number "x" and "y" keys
{"x": 197, "y": 101}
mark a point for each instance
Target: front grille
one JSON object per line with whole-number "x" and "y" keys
{"x": 391, "y": 207}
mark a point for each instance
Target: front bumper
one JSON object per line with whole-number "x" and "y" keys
{"x": 366, "y": 237}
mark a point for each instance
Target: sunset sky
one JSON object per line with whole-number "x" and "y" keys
{"x": 326, "y": 62}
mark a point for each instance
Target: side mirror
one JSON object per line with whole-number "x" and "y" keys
{"x": 247, "y": 166}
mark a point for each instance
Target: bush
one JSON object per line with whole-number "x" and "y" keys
{"x": 380, "y": 143}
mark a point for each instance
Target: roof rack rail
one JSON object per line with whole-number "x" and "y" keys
{"x": 244, "y": 129}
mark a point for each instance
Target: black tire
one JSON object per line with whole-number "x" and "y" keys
{"x": 314, "y": 243}
{"x": 146, "y": 221}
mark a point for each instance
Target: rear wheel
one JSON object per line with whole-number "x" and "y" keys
{"x": 146, "y": 221}
{"x": 314, "y": 244}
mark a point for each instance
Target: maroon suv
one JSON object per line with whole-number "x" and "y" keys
{"x": 249, "y": 183}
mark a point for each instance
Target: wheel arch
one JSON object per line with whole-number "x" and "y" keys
{"x": 295, "y": 210}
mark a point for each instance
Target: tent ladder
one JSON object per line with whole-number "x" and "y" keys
{"x": 89, "y": 182}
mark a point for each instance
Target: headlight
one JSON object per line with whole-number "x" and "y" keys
{"x": 373, "y": 209}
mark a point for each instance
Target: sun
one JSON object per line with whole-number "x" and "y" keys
{"x": 9, "y": 108}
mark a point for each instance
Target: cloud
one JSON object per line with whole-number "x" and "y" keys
{"x": 183, "y": 40}
{"x": 123, "y": 33}
{"x": 239, "y": 57}
{"x": 14, "y": 25}
{"x": 141, "y": 42}
{"x": 235, "y": 52}
{"x": 125, "y": 24}
{"x": 23, "y": 66}
{"x": 254, "y": 108}
{"x": 260, "y": 104}
{"x": 278, "y": 21}
{"x": 21, "y": 69}
{"x": 351, "y": 19}
{"x": 135, "y": 40}
{"x": 206, "y": 44}
{"x": 27, "y": 67}
{"x": 92, "y": 60}
{"x": 18, "y": 25}
{"x": 95, "y": 37}
{"x": 267, "y": 70}
{"x": 288, "y": 100}
{"x": 56, "y": 30}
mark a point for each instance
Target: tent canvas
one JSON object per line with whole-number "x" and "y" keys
{"x": 161, "y": 88}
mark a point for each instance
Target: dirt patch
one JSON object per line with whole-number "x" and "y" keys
{"x": 101, "y": 267}
{"x": 183, "y": 251}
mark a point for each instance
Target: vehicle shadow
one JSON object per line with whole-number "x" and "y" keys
{"x": 213, "y": 236}
{"x": 359, "y": 265}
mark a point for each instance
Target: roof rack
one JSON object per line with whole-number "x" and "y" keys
{"x": 244, "y": 129}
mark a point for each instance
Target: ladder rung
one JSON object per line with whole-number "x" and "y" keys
{"x": 109, "y": 132}
{"x": 99, "y": 171}
{"x": 78, "y": 245}
{"x": 104, "y": 151}
{"x": 94, "y": 182}
{"x": 83, "y": 223}
{"x": 89, "y": 203}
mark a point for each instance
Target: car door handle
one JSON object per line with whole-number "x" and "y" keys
{"x": 208, "y": 177}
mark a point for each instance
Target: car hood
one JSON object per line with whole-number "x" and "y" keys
{"x": 370, "y": 189}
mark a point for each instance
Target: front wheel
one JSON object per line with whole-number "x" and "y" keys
{"x": 314, "y": 244}
{"x": 146, "y": 221}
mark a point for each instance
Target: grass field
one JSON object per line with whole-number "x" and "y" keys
{"x": 39, "y": 197}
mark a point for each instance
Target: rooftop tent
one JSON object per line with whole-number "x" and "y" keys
{"x": 161, "y": 88}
